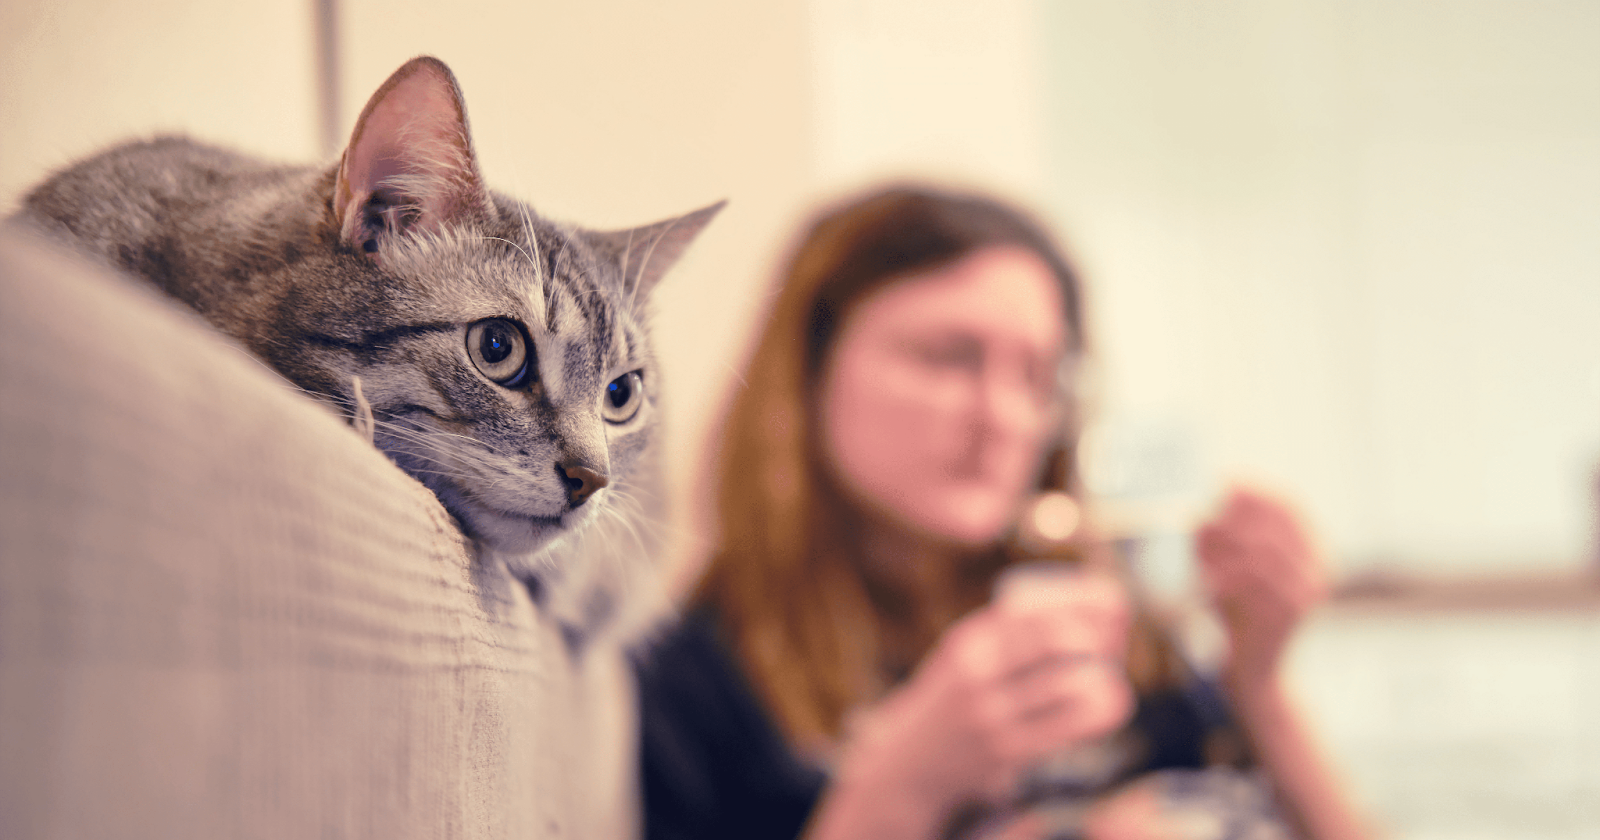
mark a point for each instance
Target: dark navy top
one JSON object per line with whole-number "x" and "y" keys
{"x": 714, "y": 764}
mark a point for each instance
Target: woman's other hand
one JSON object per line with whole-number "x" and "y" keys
{"x": 1264, "y": 576}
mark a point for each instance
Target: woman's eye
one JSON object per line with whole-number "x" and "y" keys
{"x": 499, "y": 349}
{"x": 622, "y": 398}
{"x": 948, "y": 354}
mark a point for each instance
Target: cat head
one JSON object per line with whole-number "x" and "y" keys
{"x": 505, "y": 358}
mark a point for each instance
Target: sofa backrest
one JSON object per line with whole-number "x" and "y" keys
{"x": 224, "y": 614}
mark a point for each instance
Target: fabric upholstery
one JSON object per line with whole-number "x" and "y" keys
{"x": 224, "y": 614}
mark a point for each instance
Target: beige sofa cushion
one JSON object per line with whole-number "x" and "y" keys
{"x": 223, "y": 614}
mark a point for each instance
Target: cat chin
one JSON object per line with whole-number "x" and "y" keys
{"x": 511, "y": 534}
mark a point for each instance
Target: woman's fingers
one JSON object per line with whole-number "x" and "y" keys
{"x": 998, "y": 693}
{"x": 1090, "y": 621}
{"x": 1067, "y": 707}
{"x": 1011, "y": 683}
{"x": 1033, "y": 682}
{"x": 1066, "y": 685}
{"x": 1264, "y": 575}
{"x": 1255, "y": 539}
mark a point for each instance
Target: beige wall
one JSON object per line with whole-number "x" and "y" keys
{"x": 608, "y": 114}
{"x": 1347, "y": 247}
{"x": 943, "y": 89}
{"x": 78, "y": 74}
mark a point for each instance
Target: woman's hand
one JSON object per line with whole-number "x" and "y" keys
{"x": 1005, "y": 687}
{"x": 1264, "y": 576}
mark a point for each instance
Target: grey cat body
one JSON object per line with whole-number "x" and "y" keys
{"x": 394, "y": 280}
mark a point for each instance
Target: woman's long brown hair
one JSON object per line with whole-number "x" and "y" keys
{"x": 786, "y": 580}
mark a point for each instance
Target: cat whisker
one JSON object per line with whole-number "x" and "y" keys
{"x": 627, "y": 251}
{"x": 736, "y": 374}
{"x": 631, "y": 528}
{"x": 522, "y": 250}
{"x": 644, "y": 264}
{"x": 626, "y": 577}
{"x": 533, "y": 241}
{"x": 437, "y": 446}
{"x": 593, "y": 288}
{"x": 461, "y": 463}
{"x": 433, "y": 434}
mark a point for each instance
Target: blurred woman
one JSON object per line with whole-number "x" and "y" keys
{"x": 842, "y": 671}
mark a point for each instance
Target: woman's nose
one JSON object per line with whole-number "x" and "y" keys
{"x": 1007, "y": 401}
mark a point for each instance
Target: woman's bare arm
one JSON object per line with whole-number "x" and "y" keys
{"x": 1265, "y": 576}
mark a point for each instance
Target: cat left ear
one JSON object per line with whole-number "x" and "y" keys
{"x": 645, "y": 253}
{"x": 410, "y": 162}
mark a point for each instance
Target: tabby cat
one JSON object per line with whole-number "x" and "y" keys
{"x": 499, "y": 358}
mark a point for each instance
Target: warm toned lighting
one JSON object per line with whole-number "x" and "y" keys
{"x": 1055, "y": 517}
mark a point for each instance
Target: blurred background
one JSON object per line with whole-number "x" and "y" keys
{"x": 1346, "y": 249}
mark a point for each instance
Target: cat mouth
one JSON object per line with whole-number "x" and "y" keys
{"x": 513, "y": 532}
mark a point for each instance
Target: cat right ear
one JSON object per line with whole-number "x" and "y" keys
{"x": 645, "y": 253}
{"x": 410, "y": 163}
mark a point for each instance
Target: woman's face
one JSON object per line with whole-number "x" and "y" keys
{"x": 940, "y": 391}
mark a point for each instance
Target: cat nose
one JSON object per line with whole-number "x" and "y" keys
{"x": 581, "y": 482}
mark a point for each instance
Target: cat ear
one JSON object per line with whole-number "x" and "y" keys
{"x": 645, "y": 253}
{"x": 410, "y": 162}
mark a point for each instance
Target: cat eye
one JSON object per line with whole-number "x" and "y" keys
{"x": 622, "y": 398}
{"x": 499, "y": 350}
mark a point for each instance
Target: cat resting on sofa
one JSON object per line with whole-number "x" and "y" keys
{"x": 499, "y": 358}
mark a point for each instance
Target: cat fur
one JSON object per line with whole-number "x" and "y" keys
{"x": 358, "y": 283}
